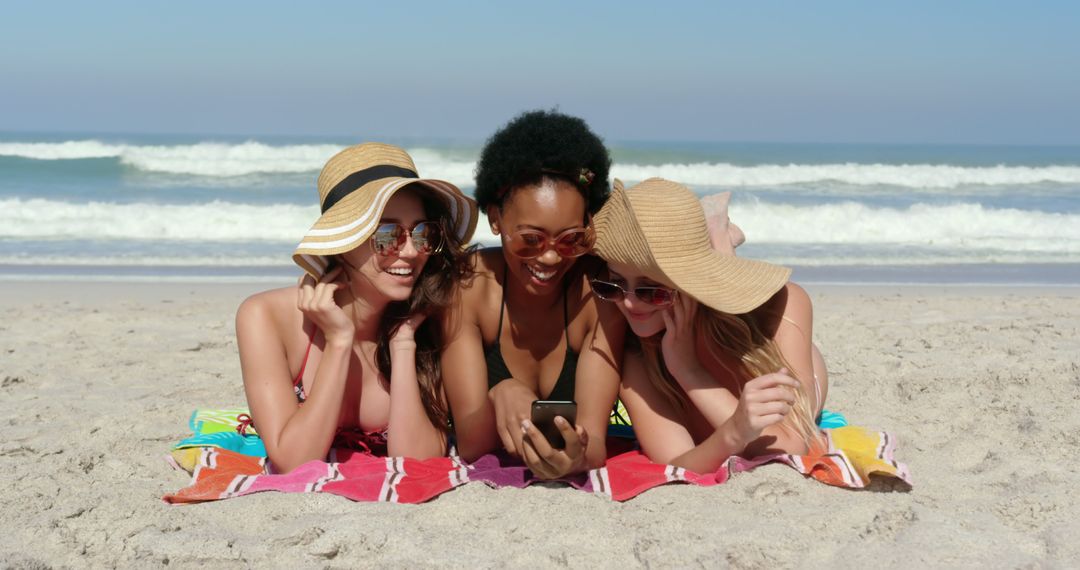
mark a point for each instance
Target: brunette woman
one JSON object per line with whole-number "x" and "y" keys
{"x": 349, "y": 357}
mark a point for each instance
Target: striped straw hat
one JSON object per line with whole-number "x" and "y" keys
{"x": 659, "y": 228}
{"x": 355, "y": 186}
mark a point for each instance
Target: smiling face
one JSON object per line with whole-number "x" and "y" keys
{"x": 551, "y": 206}
{"x": 644, "y": 319}
{"x": 390, "y": 276}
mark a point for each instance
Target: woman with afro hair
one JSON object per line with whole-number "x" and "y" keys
{"x": 526, "y": 327}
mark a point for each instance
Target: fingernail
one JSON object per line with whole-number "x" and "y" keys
{"x": 560, "y": 421}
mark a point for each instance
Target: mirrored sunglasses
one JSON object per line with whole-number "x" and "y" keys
{"x": 388, "y": 239}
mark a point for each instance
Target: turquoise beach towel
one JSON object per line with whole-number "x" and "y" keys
{"x": 217, "y": 428}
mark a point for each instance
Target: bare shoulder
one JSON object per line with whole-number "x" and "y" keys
{"x": 274, "y": 307}
{"x": 790, "y": 294}
{"x": 488, "y": 261}
{"x": 797, "y": 295}
{"x": 473, "y": 295}
{"x": 799, "y": 311}
{"x": 485, "y": 264}
{"x": 791, "y": 303}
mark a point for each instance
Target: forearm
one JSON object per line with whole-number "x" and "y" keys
{"x": 475, "y": 438}
{"x": 410, "y": 433}
{"x": 710, "y": 454}
{"x": 725, "y": 442}
{"x": 715, "y": 403}
{"x": 309, "y": 433}
{"x": 596, "y": 451}
{"x": 777, "y": 438}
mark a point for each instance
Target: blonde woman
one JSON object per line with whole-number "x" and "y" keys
{"x": 350, "y": 356}
{"x": 721, "y": 361}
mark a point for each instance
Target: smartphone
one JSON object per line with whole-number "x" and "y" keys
{"x": 543, "y": 417}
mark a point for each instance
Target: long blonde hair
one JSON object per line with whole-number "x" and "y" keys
{"x": 739, "y": 336}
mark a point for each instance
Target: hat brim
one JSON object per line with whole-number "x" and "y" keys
{"x": 658, "y": 227}
{"x": 354, "y": 218}
{"x": 726, "y": 283}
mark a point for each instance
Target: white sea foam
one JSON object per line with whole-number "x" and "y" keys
{"x": 215, "y": 221}
{"x": 67, "y": 150}
{"x": 222, "y": 160}
{"x": 954, "y": 229}
{"x": 254, "y": 261}
{"x": 919, "y": 176}
{"x": 225, "y": 160}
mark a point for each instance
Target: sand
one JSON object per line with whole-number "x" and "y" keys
{"x": 980, "y": 385}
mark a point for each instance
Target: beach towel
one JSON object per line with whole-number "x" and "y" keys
{"x": 221, "y": 428}
{"x": 224, "y": 428}
{"x": 850, "y": 457}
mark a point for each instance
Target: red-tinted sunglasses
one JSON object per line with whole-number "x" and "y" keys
{"x": 530, "y": 244}
{"x": 388, "y": 239}
{"x": 655, "y": 296}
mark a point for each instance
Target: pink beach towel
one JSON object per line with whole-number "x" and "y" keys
{"x": 851, "y": 456}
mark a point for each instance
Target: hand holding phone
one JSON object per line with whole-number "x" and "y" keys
{"x": 544, "y": 413}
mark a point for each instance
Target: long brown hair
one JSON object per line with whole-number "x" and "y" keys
{"x": 431, "y": 296}
{"x": 739, "y": 336}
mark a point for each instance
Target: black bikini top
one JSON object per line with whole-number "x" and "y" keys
{"x": 498, "y": 371}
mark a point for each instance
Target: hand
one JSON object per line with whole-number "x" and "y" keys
{"x": 316, "y": 301}
{"x": 512, "y": 401}
{"x": 678, "y": 345}
{"x": 765, "y": 401}
{"x": 405, "y": 335}
{"x": 547, "y": 462}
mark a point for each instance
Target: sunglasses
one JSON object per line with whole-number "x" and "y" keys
{"x": 530, "y": 244}
{"x": 655, "y": 296}
{"x": 388, "y": 239}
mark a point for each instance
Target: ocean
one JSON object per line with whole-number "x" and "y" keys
{"x": 214, "y": 208}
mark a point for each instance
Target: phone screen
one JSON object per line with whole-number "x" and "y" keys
{"x": 543, "y": 417}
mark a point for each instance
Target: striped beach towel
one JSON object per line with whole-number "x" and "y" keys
{"x": 850, "y": 457}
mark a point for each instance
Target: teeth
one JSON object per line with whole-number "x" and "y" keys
{"x": 542, "y": 276}
{"x": 403, "y": 271}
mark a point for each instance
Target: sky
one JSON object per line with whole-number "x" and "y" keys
{"x": 985, "y": 72}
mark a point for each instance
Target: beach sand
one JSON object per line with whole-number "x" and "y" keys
{"x": 980, "y": 385}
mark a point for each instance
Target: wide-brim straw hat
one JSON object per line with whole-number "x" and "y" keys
{"x": 354, "y": 188}
{"x": 658, "y": 227}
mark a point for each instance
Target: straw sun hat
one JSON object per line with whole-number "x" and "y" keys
{"x": 658, "y": 227}
{"x": 354, "y": 188}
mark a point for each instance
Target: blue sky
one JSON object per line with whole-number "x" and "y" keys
{"x": 920, "y": 72}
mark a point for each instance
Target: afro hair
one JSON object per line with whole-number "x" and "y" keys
{"x": 539, "y": 144}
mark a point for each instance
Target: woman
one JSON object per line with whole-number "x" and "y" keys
{"x": 351, "y": 353}
{"x": 525, "y": 325}
{"x": 723, "y": 363}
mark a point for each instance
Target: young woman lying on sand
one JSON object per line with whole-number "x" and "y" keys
{"x": 721, "y": 361}
{"x": 526, "y": 326}
{"x": 351, "y": 353}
